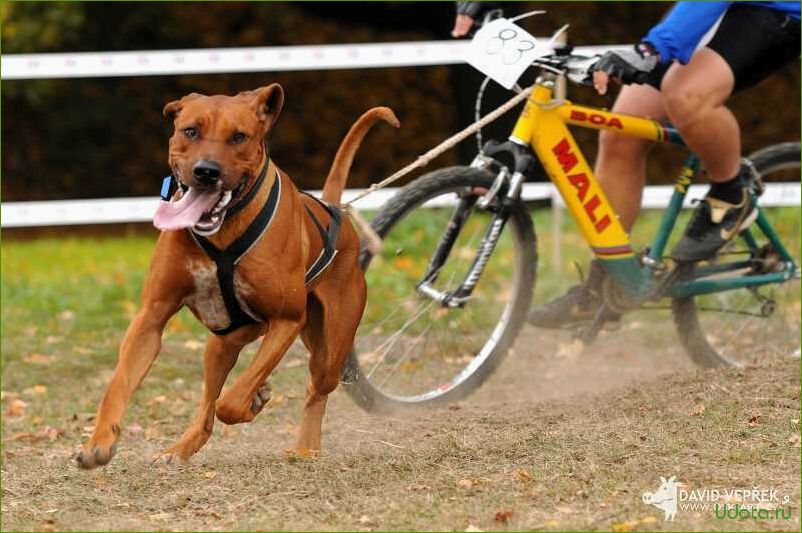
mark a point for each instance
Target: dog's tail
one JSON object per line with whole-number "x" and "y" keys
{"x": 338, "y": 174}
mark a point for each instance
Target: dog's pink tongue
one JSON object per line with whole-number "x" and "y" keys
{"x": 185, "y": 212}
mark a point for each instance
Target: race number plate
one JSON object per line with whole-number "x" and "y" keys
{"x": 502, "y": 51}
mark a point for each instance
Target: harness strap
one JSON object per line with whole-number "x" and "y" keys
{"x": 329, "y": 238}
{"x": 227, "y": 259}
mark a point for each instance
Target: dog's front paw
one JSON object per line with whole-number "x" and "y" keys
{"x": 234, "y": 408}
{"x": 261, "y": 398}
{"x": 95, "y": 456}
{"x": 99, "y": 449}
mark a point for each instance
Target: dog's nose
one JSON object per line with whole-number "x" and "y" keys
{"x": 206, "y": 172}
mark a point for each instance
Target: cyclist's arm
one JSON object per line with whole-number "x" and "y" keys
{"x": 678, "y": 34}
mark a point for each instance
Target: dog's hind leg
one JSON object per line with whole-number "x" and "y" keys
{"x": 334, "y": 315}
{"x": 218, "y": 359}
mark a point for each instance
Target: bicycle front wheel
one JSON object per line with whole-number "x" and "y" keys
{"x": 745, "y": 326}
{"x": 412, "y": 351}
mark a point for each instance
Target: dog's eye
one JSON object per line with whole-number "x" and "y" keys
{"x": 238, "y": 137}
{"x": 191, "y": 133}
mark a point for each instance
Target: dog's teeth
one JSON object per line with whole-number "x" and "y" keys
{"x": 225, "y": 199}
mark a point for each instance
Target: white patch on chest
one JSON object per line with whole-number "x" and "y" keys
{"x": 207, "y": 299}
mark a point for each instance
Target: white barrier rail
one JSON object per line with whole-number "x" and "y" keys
{"x": 124, "y": 210}
{"x": 231, "y": 60}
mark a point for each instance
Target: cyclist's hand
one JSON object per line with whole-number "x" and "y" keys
{"x": 471, "y": 16}
{"x": 462, "y": 25}
{"x": 626, "y": 66}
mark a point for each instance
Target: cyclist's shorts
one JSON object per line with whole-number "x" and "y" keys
{"x": 755, "y": 41}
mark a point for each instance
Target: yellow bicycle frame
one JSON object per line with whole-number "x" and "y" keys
{"x": 543, "y": 126}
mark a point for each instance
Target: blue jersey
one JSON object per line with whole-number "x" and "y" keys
{"x": 679, "y": 33}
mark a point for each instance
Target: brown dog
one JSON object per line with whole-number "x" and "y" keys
{"x": 235, "y": 198}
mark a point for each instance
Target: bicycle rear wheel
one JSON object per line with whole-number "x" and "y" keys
{"x": 744, "y": 326}
{"x": 412, "y": 351}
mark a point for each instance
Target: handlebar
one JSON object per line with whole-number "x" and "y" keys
{"x": 576, "y": 68}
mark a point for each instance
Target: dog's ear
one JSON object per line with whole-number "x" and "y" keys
{"x": 172, "y": 109}
{"x": 267, "y": 103}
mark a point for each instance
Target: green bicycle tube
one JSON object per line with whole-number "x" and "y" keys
{"x": 709, "y": 286}
{"x": 749, "y": 239}
{"x": 767, "y": 229}
{"x": 628, "y": 272}
{"x": 669, "y": 219}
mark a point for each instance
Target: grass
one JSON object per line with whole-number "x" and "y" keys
{"x": 580, "y": 462}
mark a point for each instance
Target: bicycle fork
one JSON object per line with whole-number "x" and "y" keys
{"x": 501, "y": 212}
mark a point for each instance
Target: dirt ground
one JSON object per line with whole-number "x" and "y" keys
{"x": 560, "y": 438}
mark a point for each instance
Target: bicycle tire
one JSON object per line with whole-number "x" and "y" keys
{"x": 360, "y": 389}
{"x": 686, "y": 313}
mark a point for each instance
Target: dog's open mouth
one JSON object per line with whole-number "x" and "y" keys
{"x": 201, "y": 210}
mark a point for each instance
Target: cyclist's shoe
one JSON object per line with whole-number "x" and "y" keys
{"x": 579, "y": 305}
{"x": 715, "y": 222}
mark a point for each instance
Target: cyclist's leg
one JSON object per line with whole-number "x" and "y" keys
{"x": 694, "y": 96}
{"x": 750, "y": 44}
{"x": 621, "y": 161}
{"x": 621, "y": 171}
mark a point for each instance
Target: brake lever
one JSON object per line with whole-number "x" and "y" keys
{"x": 580, "y": 72}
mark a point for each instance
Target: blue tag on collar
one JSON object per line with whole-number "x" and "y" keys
{"x": 167, "y": 188}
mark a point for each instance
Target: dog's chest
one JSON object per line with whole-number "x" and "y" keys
{"x": 206, "y": 302}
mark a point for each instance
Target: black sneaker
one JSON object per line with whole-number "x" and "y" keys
{"x": 579, "y": 305}
{"x": 715, "y": 223}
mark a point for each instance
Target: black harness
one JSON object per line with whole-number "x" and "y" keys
{"x": 227, "y": 259}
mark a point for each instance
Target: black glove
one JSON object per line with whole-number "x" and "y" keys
{"x": 476, "y": 10}
{"x": 629, "y": 66}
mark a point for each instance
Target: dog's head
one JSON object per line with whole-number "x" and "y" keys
{"x": 216, "y": 151}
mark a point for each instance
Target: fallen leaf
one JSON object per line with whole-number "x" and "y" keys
{"x": 466, "y": 483}
{"x": 564, "y": 509}
{"x": 699, "y": 410}
{"x": 156, "y": 399}
{"x": 211, "y": 474}
{"x": 193, "y": 344}
{"x": 753, "y": 421}
{"x": 551, "y": 523}
{"x": 66, "y": 315}
{"x": 794, "y": 440}
{"x": 278, "y": 399}
{"x": 134, "y": 430}
{"x": 364, "y": 519}
{"x": 503, "y": 516}
{"x": 47, "y": 433}
{"x": 17, "y": 408}
{"x": 36, "y": 390}
{"x": 38, "y": 359}
{"x": 51, "y": 433}
{"x": 648, "y": 520}
{"x": 160, "y": 516}
{"x": 624, "y": 526}
{"x": 473, "y": 529}
{"x": 524, "y": 476}
{"x": 569, "y": 350}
